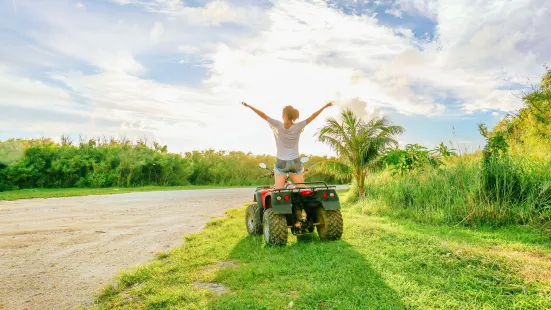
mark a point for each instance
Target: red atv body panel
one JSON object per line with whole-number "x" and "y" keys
{"x": 265, "y": 192}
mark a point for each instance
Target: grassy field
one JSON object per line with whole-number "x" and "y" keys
{"x": 71, "y": 192}
{"x": 381, "y": 263}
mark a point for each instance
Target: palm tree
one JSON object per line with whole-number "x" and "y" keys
{"x": 357, "y": 143}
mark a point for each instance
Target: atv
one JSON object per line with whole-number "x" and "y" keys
{"x": 302, "y": 207}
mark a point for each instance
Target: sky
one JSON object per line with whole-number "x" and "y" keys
{"x": 176, "y": 71}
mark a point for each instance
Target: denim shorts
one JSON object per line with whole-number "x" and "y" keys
{"x": 284, "y": 167}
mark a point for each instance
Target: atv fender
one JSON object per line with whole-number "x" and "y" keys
{"x": 258, "y": 200}
{"x": 329, "y": 203}
{"x": 279, "y": 206}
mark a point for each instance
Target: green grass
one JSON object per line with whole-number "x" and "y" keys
{"x": 501, "y": 192}
{"x": 71, "y": 192}
{"x": 381, "y": 263}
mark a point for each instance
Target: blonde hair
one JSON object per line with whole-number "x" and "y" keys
{"x": 292, "y": 113}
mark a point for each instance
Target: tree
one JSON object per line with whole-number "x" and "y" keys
{"x": 413, "y": 157}
{"x": 444, "y": 151}
{"x": 357, "y": 143}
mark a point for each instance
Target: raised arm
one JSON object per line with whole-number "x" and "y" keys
{"x": 260, "y": 113}
{"x": 313, "y": 116}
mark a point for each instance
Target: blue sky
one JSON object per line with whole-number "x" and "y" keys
{"x": 175, "y": 71}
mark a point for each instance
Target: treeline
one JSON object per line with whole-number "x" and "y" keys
{"x": 43, "y": 163}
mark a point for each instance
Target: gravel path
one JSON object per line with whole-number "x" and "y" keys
{"x": 57, "y": 253}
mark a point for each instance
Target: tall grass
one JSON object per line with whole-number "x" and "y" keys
{"x": 467, "y": 191}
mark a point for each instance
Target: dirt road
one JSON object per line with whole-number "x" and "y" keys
{"x": 56, "y": 253}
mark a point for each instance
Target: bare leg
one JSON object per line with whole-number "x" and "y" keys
{"x": 280, "y": 180}
{"x": 298, "y": 178}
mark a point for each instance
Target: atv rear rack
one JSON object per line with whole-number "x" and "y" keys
{"x": 323, "y": 185}
{"x": 305, "y": 183}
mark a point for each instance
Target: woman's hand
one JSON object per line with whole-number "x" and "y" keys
{"x": 245, "y": 104}
{"x": 313, "y": 116}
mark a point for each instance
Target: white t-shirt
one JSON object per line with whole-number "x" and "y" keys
{"x": 287, "y": 139}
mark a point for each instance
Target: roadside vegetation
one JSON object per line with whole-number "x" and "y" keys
{"x": 42, "y": 164}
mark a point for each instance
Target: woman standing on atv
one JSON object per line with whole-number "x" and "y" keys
{"x": 287, "y": 134}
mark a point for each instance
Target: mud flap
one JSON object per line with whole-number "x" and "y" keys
{"x": 282, "y": 208}
{"x": 331, "y": 205}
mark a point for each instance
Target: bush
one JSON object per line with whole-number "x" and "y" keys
{"x": 412, "y": 157}
{"x": 109, "y": 163}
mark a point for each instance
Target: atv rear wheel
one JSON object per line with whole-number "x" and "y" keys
{"x": 275, "y": 228}
{"x": 253, "y": 220}
{"x": 330, "y": 224}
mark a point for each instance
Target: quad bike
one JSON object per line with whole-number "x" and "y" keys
{"x": 302, "y": 207}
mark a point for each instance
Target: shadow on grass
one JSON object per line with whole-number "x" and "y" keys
{"x": 306, "y": 274}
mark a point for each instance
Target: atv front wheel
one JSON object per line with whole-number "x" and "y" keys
{"x": 330, "y": 224}
{"x": 275, "y": 228}
{"x": 253, "y": 220}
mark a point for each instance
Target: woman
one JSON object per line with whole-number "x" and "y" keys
{"x": 287, "y": 134}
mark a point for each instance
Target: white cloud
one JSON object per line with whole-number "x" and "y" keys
{"x": 112, "y": 87}
{"x": 114, "y": 104}
{"x": 119, "y": 61}
{"x": 92, "y": 38}
{"x": 360, "y": 108}
{"x": 20, "y": 92}
{"x": 394, "y": 12}
{"x": 188, "y": 49}
{"x": 417, "y": 7}
{"x": 309, "y": 54}
{"x": 481, "y": 48}
{"x": 125, "y": 95}
{"x": 80, "y": 5}
{"x": 156, "y": 32}
{"x": 508, "y": 38}
{"x": 214, "y": 13}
